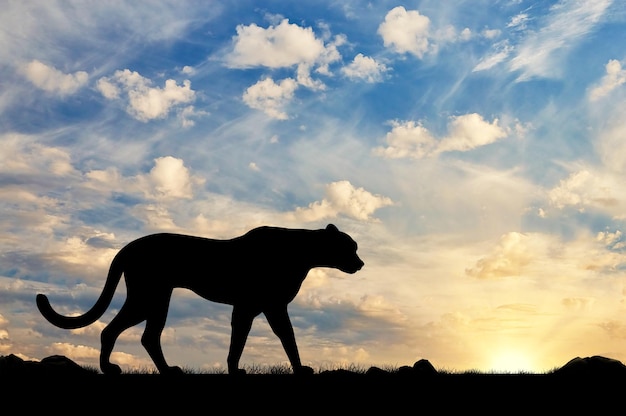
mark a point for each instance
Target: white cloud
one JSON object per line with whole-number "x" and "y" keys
{"x": 365, "y": 68}
{"x": 567, "y": 23}
{"x": 278, "y": 46}
{"x": 108, "y": 89}
{"x": 590, "y": 189}
{"x": 188, "y": 70}
{"x": 144, "y": 101}
{"x": 189, "y": 112}
{"x": 518, "y": 21}
{"x": 405, "y": 31}
{"x": 171, "y": 178}
{"x": 409, "y": 139}
{"x": 466, "y": 34}
{"x": 615, "y": 76}
{"x": 491, "y": 33}
{"x": 281, "y": 46}
{"x": 270, "y": 97}
{"x": 303, "y": 77}
{"x": 501, "y": 51}
{"x": 408, "y": 31}
{"x": 466, "y": 132}
{"x": 52, "y": 80}
{"x": 470, "y": 131}
{"x": 572, "y": 191}
{"x": 342, "y": 198}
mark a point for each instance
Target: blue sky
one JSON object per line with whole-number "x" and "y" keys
{"x": 474, "y": 150}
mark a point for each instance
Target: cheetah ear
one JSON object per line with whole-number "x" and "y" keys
{"x": 331, "y": 227}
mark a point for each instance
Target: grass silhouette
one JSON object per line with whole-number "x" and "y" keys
{"x": 331, "y": 389}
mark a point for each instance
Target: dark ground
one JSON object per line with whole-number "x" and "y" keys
{"x": 593, "y": 385}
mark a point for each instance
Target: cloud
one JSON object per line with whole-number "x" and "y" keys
{"x": 578, "y": 304}
{"x": 270, "y": 97}
{"x": 52, "y": 80}
{"x": 278, "y": 46}
{"x": 412, "y": 140}
{"x": 365, "y": 68}
{"x": 22, "y": 155}
{"x": 518, "y": 21}
{"x": 588, "y": 188}
{"x": 86, "y": 355}
{"x": 566, "y": 24}
{"x": 169, "y": 178}
{"x": 405, "y": 31}
{"x": 615, "y": 76}
{"x": 342, "y": 198}
{"x": 507, "y": 259}
{"x": 502, "y": 50}
{"x": 282, "y": 46}
{"x": 144, "y": 101}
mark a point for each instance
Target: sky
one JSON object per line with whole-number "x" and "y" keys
{"x": 475, "y": 150}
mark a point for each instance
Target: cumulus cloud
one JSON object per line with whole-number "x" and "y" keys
{"x": 615, "y": 76}
{"x": 169, "y": 178}
{"x": 284, "y": 45}
{"x": 365, "y": 68}
{"x": 342, "y": 198}
{"x": 52, "y": 80}
{"x": 270, "y": 97}
{"x": 405, "y": 31}
{"x": 588, "y": 189}
{"x": 144, "y": 101}
{"x": 281, "y": 46}
{"x": 412, "y": 140}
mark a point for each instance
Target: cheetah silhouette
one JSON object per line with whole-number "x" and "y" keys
{"x": 258, "y": 272}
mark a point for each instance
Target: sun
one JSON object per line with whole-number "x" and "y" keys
{"x": 511, "y": 361}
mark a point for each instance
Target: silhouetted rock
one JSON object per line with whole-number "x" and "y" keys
{"x": 420, "y": 368}
{"x": 376, "y": 372}
{"x": 405, "y": 370}
{"x": 593, "y": 366}
{"x": 424, "y": 367}
{"x": 55, "y": 364}
{"x": 339, "y": 373}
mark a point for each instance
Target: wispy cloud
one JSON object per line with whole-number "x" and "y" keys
{"x": 540, "y": 53}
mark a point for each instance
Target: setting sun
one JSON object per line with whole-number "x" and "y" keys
{"x": 511, "y": 361}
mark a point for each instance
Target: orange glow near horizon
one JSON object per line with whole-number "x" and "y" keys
{"x": 512, "y": 361}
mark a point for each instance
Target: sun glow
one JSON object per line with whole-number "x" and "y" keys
{"x": 511, "y": 362}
